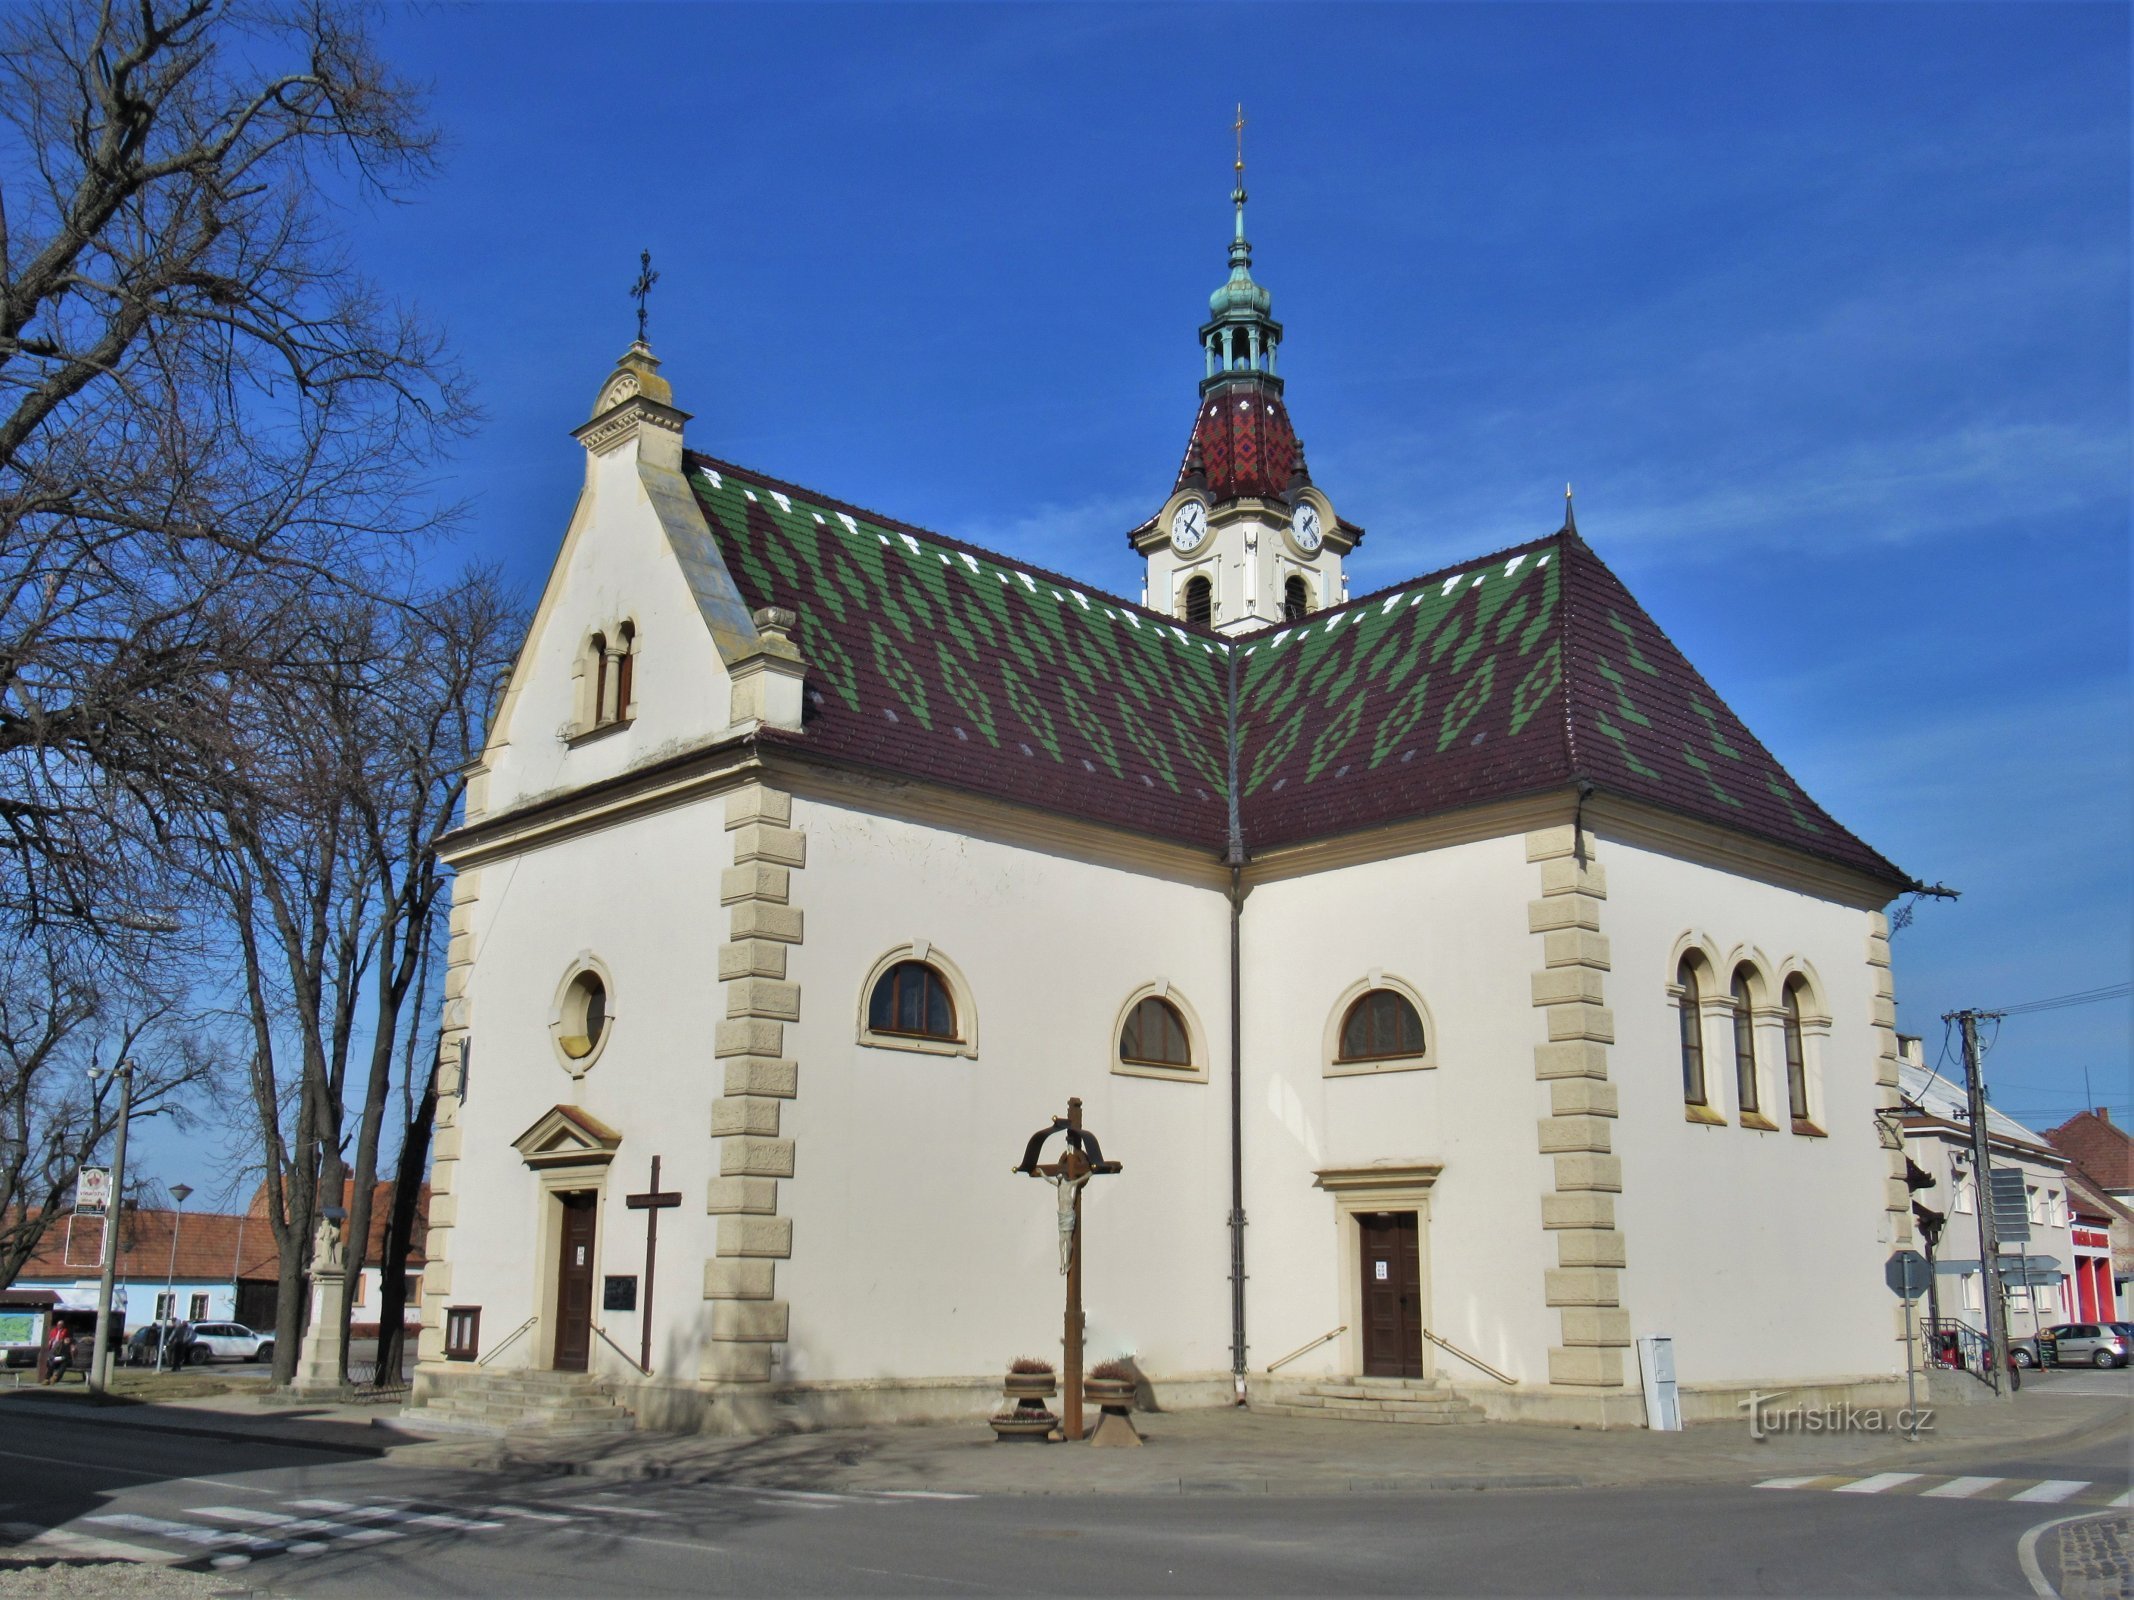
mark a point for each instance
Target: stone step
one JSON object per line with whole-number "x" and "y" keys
{"x": 1418, "y": 1419}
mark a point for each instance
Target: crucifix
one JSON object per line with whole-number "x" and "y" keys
{"x": 641, "y": 290}
{"x": 1082, "y": 1160}
{"x": 652, "y": 1202}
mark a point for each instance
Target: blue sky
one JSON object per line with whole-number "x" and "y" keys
{"x": 1824, "y": 309}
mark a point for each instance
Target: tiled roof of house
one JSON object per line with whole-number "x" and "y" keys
{"x": 1516, "y": 673}
{"x": 2099, "y": 1146}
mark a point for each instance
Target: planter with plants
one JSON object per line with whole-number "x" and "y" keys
{"x": 1111, "y": 1385}
{"x": 1030, "y": 1383}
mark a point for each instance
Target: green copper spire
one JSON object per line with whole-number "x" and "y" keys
{"x": 1241, "y": 334}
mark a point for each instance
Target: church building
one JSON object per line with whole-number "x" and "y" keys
{"x": 1465, "y": 992}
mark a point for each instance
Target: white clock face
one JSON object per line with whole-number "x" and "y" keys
{"x": 1189, "y": 525}
{"x": 1305, "y": 526}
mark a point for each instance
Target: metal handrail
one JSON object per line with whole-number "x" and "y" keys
{"x": 1472, "y": 1361}
{"x": 1313, "y": 1344}
{"x": 505, "y": 1342}
{"x": 619, "y": 1350}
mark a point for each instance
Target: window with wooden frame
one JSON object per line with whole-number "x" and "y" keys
{"x": 1381, "y": 1026}
{"x": 912, "y": 999}
{"x": 1748, "y": 1090}
{"x": 1689, "y": 1007}
{"x": 1200, "y": 602}
{"x": 1155, "y": 1036}
{"x": 1796, "y": 1059}
{"x": 463, "y": 1332}
{"x": 1296, "y": 600}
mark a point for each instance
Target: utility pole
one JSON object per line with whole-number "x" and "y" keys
{"x": 1989, "y": 1243}
{"x": 114, "y": 1219}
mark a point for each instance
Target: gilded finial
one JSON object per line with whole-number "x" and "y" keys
{"x": 1570, "y": 522}
{"x": 1239, "y": 128}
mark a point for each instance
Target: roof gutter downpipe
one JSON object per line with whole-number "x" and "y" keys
{"x": 1235, "y": 860}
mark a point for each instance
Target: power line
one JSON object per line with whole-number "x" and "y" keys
{"x": 2059, "y": 1002}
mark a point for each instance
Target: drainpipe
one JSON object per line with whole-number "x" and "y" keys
{"x": 1235, "y": 859}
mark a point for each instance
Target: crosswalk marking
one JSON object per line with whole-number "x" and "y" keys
{"x": 215, "y": 1538}
{"x": 389, "y": 1513}
{"x": 1876, "y": 1484}
{"x": 1979, "y": 1490}
{"x": 1960, "y": 1488}
{"x": 2052, "y": 1491}
{"x": 86, "y": 1548}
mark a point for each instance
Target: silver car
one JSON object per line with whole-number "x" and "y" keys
{"x": 2086, "y": 1344}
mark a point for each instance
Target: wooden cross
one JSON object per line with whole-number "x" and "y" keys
{"x": 641, "y": 290}
{"x": 1081, "y": 1160}
{"x": 652, "y": 1202}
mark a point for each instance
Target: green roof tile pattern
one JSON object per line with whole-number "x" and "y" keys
{"x": 1518, "y": 673}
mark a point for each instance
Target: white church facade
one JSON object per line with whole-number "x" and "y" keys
{"x": 1466, "y": 992}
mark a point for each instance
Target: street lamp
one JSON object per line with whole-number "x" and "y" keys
{"x": 114, "y": 1217}
{"x": 181, "y": 1194}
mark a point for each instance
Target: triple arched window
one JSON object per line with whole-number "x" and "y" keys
{"x": 1748, "y": 1013}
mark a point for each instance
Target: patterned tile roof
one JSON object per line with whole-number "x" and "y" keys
{"x": 1242, "y": 444}
{"x": 1517, "y": 673}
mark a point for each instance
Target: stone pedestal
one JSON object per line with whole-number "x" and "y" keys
{"x": 318, "y": 1366}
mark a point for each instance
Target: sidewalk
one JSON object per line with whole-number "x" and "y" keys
{"x": 259, "y": 1416}
{"x": 1196, "y": 1452}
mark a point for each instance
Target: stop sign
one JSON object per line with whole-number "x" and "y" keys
{"x": 1906, "y": 1274}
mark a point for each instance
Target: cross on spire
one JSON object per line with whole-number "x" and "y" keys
{"x": 641, "y": 290}
{"x": 1239, "y": 128}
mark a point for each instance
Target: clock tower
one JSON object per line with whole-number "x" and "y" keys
{"x": 1246, "y": 539}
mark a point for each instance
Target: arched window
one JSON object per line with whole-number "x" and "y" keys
{"x": 1744, "y": 1045}
{"x": 625, "y": 675}
{"x": 1691, "y": 1007}
{"x": 1296, "y": 600}
{"x": 1155, "y": 1036}
{"x": 599, "y": 648}
{"x": 1796, "y": 1055}
{"x": 912, "y": 999}
{"x": 1379, "y": 1026}
{"x": 1200, "y": 602}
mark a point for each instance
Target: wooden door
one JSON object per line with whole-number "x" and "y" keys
{"x": 1392, "y": 1295}
{"x": 574, "y": 1283}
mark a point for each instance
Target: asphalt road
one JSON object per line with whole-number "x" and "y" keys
{"x": 304, "y": 1521}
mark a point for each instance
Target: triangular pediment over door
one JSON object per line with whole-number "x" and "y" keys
{"x": 566, "y": 1136}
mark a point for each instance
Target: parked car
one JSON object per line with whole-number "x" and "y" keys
{"x": 176, "y": 1339}
{"x": 2086, "y": 1344}
{"x": 233, "y": 1341}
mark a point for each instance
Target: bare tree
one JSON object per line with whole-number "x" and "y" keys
{"x": 207, "y": 419}
{"x": 62, "y": 1010}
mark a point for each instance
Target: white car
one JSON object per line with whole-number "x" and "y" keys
{"x": 233, "y": 1341}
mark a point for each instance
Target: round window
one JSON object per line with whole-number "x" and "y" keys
{"x": 585, "y": 1015}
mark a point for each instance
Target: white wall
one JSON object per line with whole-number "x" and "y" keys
{"x": 1760, "y": 1253}
{"x": 615, "y": 566}
{"x": 916, "y": 1251}
{"x": 1452, "y": 923}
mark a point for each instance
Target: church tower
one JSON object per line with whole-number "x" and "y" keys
{"x": 1246, "y": 540}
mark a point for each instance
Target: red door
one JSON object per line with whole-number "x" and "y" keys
{"x": 574, "y": 1283}
{"x": 1392, "y": 1295}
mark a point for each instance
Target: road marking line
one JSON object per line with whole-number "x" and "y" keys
{"x": 1789, "y": 1483}
{"x": 949, "y": 1494}
{"x": 81, "y": 1466}
{"x": 382, "y": 1513}
{"x": 521, "y": 1511}
{"x": 78, "y": 1544}
{"x": 2052, "y": 1491}
{"x": 132, "y": 1522}
{"x": 1876, "y": 1484}
{"x": 1959, "y": 1488}
{"x": 612, "y": 1511}
{"x": 2120, "y": 1501}
{"x": 796, "y": 1494}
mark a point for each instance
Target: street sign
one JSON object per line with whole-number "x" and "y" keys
{"x": 92, "y": 1189}
{"x": 2011, "y": 1206}
{"x": 1906, "y": 1274}
{"x": 2036, "y": 1272}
